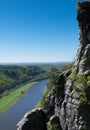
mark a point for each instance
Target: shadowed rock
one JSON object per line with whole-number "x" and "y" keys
{"x": 33, "y": 120}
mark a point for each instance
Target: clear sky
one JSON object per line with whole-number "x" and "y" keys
{"x": 38, "y": 30}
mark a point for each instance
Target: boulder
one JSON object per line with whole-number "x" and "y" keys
{"x": 87, "y": 73}
{"x": 54, "y": 119}
{"x": 33, "y": 120}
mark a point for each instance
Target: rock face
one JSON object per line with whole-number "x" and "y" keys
{"x": 68, "y": 106}
{"x": 33, "y": 120}
{"x": 82, "y": 63}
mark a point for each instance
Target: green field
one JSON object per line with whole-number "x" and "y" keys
{"x": 13, "y": 96}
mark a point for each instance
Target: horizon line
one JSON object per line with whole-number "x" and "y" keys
{"x": 34, "y": 62}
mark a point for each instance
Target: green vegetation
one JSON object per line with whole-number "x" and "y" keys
{"x": 41, "y": 103}
{"x": 84, "y": 56}
{"x": 13, "y": 75}
{"x": 13, "y": 96}
{"x": 81, "y": 86}
{"x": 53, "y": 80}
{"x": 48, "y": 66}
{"x": 52, "y": 127}
{"x": 67, "y": 67}
{"x": 46, "y": 91}
{"x": 82, "y": 4}
{"x": 54, "y": 75}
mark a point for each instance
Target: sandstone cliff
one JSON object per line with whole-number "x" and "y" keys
{"x": 67, "y": 106}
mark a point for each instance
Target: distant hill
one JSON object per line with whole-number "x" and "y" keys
{"x": 13, "y": 75}
{"x": 48, "y": 66}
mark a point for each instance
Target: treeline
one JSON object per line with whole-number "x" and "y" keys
{"x": 13, "y": 75}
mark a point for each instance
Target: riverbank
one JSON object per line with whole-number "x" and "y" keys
{"x": 41, "y": 102}
{"x": 10, "y": 118}
{"x": 13, "y": 96}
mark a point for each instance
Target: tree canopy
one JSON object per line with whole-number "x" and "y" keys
{"x": 11, "y": 76}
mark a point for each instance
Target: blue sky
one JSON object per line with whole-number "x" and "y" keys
{"x": 38, "y": 30}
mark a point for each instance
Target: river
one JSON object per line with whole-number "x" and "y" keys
{"x": 10, "y": 118}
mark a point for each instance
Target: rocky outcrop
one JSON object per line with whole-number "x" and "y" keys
{"x": 33, "y": 120}
{"x": 82, "y": 63}
{"x": 74, "y": 111}
{"x": 68, "y": 104}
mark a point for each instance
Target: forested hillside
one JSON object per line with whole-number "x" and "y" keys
{"x": 13, "y": 75}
